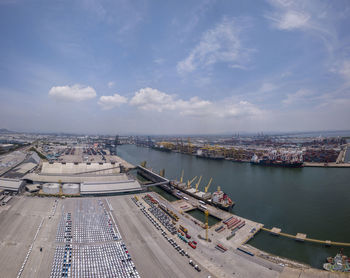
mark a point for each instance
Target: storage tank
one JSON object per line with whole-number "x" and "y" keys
{"x": 70, "y": 188}
{"x": 51, "y": 188}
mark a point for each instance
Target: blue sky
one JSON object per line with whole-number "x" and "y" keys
{"x": 174, "y": 67}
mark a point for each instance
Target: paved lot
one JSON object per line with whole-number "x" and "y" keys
{"x": 228, "y": 264}
{"x": 152, "y": 254}
{"x": 18, "y": 226}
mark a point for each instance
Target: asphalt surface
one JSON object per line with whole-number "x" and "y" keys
{"x": 19, "y": 222}
{"x": 152, "y": 254}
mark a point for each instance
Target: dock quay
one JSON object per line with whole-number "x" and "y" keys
{"x": 327, "y": 165}
{"x": 230, "y": 232}
{"x": 187, "y": 202}
{"x": 136, "y": 228}
{"x": 303, "y": 237}
{"x": 241, "y": 236}
{"x": 233, "y": 253}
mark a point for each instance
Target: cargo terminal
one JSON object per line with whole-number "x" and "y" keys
{"x": 88, "y": 218}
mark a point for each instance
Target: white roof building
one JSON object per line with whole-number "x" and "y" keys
{"x": 11, "y": 184}
{"x": 89, "y": 188}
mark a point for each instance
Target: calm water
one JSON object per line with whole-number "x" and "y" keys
{"x": 347, "y": 156}
{"x": 315, "y": 201}
{"x": 199, "y": 215}
{"x": 164, "y": 194}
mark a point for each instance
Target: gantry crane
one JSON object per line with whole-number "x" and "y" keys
{"x": 189, "y": 182}
{"x": 197, "y": 184}
{"x": 208, "y": 185}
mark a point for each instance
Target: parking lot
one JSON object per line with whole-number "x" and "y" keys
{"x": 89, "y": 243}
{"x": 154, "y": 254}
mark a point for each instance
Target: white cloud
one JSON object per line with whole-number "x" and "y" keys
{"x": 344, "y": 70}
{"x": 268, "y": 87}
{"x": 288, "y": 15}
{"x": 219, "y": 44}
{"x": 110, "y": 102}
{"x": 241, "y": 109}
{"x": 154, "y": 100}
{"x": 299, "y": 97}
{"x": 291, "y": 20}
{"x": 317, "y": 18}
{"x": 110, "y": 84}
{"x": 72, "y": 93}
{"x": 158, "y": 61}
{"x": 241, "y": 67}
{"x": 192, "y": 19}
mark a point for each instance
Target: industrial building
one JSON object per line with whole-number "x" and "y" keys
{"x": 13, "y": 185}
{"x": 80, "y": 168}
{"x": 93, "y": 188}
{"x": 82, "y": 178}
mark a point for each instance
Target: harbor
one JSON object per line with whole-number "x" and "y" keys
{"x": 264, "y": 195}
{"x": 188, "y": 203}
{"x": 193, "y": 215}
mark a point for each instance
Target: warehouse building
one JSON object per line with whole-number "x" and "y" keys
{"x": 104, "y": 188}
{"x": 14, "y": 185}
{"x": 80, "y": 168}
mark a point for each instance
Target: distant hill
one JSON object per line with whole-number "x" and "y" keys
{"x": 4, "y": 130}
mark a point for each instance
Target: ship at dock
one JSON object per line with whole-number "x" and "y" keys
{"x": 180, "y": 189}
{"x": 218, "y": 198}
{"x": 163, "y": 146}
{"x": 221, "y": 200}
{"x": 276, "y": 158}
{"x": 339, "y": 263}
{"x": 207, "y": 155}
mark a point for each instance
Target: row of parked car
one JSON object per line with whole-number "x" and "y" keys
{"x": 196, "y": 267}
{"x": 161, "y": 216}
{"x": 150, "y": 218}
{"x": 175, "y": 245}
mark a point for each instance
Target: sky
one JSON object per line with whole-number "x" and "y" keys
{"x": 174, "y": 67}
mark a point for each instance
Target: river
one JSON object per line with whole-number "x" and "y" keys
{"x": 314, "y": 201}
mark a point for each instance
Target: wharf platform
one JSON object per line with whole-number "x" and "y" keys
{"x": 242, "y": 235}
{"x": 303, "y": 237}
{"x": 253, "y": 263}
{"x": 327, "y": 165}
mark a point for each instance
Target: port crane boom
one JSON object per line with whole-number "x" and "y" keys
{"x": 208, "y": 185}
{"x": 182, "y": 177}
{"x": 189, "y": 182}
{"x": 197, "y": 184}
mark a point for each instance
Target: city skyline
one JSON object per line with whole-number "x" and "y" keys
{"x": 174, "y": 68}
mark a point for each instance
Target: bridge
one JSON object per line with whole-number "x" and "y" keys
{"x": 150, "y": 175}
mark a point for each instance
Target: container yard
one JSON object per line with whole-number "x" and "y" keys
{"x": 287, "y": 151}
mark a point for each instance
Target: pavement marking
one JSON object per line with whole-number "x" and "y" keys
{"x": 30, "y": 249}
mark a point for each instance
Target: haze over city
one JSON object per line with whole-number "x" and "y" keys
{"x": 174, "y": 67}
